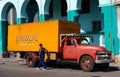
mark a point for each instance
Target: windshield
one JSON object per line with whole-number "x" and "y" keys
{"x": 82, "y": 41}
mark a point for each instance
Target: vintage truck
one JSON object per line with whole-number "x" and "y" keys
{"x": 63, "y": 41}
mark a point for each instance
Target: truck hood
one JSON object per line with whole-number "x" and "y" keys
{"x": 92, "y": 47}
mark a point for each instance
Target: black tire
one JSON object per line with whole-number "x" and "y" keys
{"x": 31, "y": 61}
{"x": 87, "y": 63}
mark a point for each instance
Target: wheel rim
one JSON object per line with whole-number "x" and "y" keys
{"x": 30, "y": 61}
{"x": 86, "y": 63}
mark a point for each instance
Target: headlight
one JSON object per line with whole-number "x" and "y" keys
{"x": 97, "y": 52}
{"x": 101, "y": 53}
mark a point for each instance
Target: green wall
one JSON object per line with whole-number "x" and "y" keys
{"x": 110, "y": 28}
{"x": 3, "y": 36}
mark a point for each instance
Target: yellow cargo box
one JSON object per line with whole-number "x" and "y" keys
{"x": 26, "y": 37}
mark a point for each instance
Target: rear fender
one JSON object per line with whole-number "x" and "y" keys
{"x": 34, "y": 55}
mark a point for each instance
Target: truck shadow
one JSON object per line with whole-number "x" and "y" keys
{"x": 64, "y": 65}
{"x": 75, "y": 66}
{"x": 111, "y": 69}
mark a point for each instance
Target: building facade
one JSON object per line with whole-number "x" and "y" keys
{"x": 99, "y": 18}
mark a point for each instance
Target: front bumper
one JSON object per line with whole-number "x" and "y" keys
{"x": 104, "y": 61}
{"x": 103, "y": 58}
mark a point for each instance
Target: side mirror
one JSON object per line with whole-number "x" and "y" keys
{"x": 75, "y": 45}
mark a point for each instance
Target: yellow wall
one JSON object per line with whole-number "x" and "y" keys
{"x": 26, "y": 37}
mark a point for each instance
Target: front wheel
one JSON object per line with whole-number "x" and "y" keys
{"x": 87, "y": 63}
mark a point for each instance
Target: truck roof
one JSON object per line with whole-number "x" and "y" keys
{"x": 73, "y": 35}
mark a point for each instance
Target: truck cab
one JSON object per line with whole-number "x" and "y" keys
{"x": 71, "y": 47}
{"x": 77, "y": 47}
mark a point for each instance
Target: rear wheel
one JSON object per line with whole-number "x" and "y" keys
{"x": 31, "y": 60}
{"x": 87, "y": 63}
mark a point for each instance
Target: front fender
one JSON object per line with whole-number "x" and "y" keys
{"x": 84, "y": 53}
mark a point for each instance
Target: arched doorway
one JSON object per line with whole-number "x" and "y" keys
{"x": 58, "y": 9}
{"x": 11, "y": 16}
{"x": 29, "y": 11}
{"x": 9, "y": 13}
{"x": 63, "y": 8}
{"x": 32, "y": 11}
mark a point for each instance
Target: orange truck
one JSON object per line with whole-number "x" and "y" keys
{"x": 62, "y": 40}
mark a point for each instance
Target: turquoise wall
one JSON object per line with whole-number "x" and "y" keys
{"x": 110, "y": 26}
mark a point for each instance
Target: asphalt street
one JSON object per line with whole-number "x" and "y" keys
{"x": 14, "y": 68}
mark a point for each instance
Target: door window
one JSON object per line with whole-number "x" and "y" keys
{"x": 70, "y": 42}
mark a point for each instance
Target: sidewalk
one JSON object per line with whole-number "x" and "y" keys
{"x": 4, "y": 60}
{"x": 115, "y": 64}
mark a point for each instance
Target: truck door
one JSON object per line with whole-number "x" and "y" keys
{"x": 69, "y": 50}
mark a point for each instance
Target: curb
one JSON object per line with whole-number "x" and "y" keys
{"x": 4, "y": 60}
{"x": 115, "y": 65}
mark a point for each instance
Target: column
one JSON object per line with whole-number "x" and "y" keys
{"x": 43, "y": 17}
{"x": 110, "y": 27}
{"x": 3, "y": 38}
{"x": 118, "y": 33}
{"x": 73, "y": 15}
{"x": 20, "y": 20}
